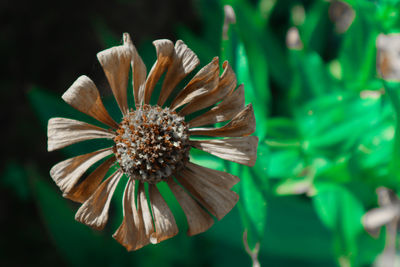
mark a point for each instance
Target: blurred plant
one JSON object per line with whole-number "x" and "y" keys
{"x": 330, "y": 130}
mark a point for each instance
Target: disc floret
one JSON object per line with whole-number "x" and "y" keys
{"x": 151, "y": 143}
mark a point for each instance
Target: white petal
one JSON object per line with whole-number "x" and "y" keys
{"x": 163, "y": 218}
{"x": 67, "y": 173}
{"x": 244, "y": 123}
{"x": 115, "y": 62}
{"x": 184, "y": 61}
{"x": 62, "y": 132}
{"x": 242, "y": 150}
{"x": 94, "y": 212}
{"x": 225, "y": 111}
{"x": 165, "y": 52}
{"x": 84, "y": 96}
{"x": 198, "y": 220}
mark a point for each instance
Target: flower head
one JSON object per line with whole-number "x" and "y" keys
{"x": 151, "y": 143}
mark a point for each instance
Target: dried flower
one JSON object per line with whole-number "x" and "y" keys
{"x": 152, "y": 143}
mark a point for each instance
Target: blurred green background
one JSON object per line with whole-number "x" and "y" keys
{"x": 329, "y": 151}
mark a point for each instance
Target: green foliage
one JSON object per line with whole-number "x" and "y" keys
{"x": 340, "y": 212}
{"x": 254, "y": 206}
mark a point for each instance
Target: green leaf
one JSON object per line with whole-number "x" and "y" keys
{"x": 358, "y": 52}
{"x": 284, "y": 163}
{"x": 258, "y": 72}
{"x": 333, "y": 124}
{"x": 257, "y": 96}
{"x": 259, "y": 37}
{"x": 282, "y": 129}
{"x": 284, "y": 145}
{"x": 314, "y": 76}
{"x": 263, "y": 155}
{"x": 393, "y": 90}
{"x": 254, "y": 204}
{"x": 341, "y": 212}
{"x": 335, "y": 205}
{"x": 244, "y": 56}
{"x": 369, "y": 249}
{"x": 336, "y": 171}
{"x": 316, "y": 28}
{"x": 371, "y": 160}
{"x": 311, "y": 78}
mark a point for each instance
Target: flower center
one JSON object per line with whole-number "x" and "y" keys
{"x": 151, "y": 143}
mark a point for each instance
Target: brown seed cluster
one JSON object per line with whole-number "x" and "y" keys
{"x": 151, "y": 143}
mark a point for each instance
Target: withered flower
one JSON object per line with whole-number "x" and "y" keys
{"x": 152, "y": 143}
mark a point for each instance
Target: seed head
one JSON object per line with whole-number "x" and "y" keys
{"x": 151, "y": 143}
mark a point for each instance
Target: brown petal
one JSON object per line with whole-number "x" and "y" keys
{"x": 139, "y": 71}
{"x": 217, "y": 200}
{"x": 115, "y": 62}
{"x": 241, "y": 150}
{"x": 198, "y": 220}
{"x": 163, "y": 218}
{"x": 144, "y": 206}
{"x": 221, "y": 179}
{"x": 94, "y": 212}
{"x": 244, "y": 123}
{"x": 84, "y": 96}
{"x": 205, "y": 80}
{"x": 184, "y": 61}
{"x": 165, "y": 52}
{"x": 127, "y": 233}
{"x": 81, "y": 192}
{"x": 62, "y": 132}
{"x": 131, "y": 233}
{"x": 67, "y": 173}
{"x": 227, "y": 83}
{"x": 225, "y": 111}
